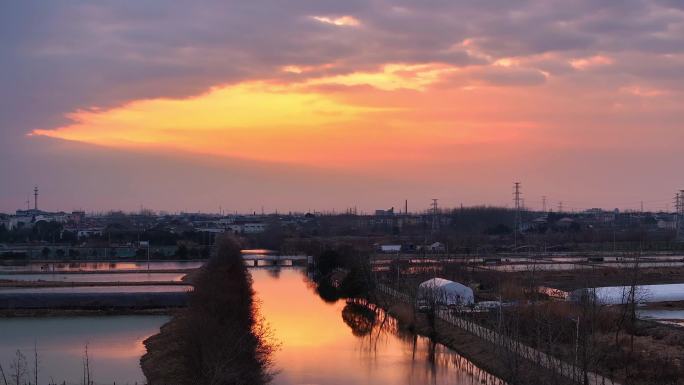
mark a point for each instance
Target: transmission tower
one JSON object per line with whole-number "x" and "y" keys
{"x": 435, "y": 213}
{"x": 679, "y": 214}
{"x": 560, "y": 207}
{"x": 517, "y": 200}
{"x": 676, "y": 209}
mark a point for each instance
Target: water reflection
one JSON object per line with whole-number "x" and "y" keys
{"x": 114, "y": 346}
{"x": 102, "y": 266}
{"x": 101, "y": 277}
{"x": 98, "y": 289}
{"x": 348, "y": 343}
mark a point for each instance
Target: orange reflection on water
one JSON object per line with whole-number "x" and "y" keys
{"x": 318, "y": 346}
{"x": 295, "y": 313}
{"x": 119, "y": 346}
{"x": 115, "y": 345}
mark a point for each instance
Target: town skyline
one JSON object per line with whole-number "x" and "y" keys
{"x": 543, "y": 204}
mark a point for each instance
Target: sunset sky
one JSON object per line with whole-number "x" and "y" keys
{"x": 328, "y": 104}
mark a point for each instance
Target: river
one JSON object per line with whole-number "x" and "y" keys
{"x": 114, "y": 346}
{"x": 99, "y": 277}
{"x": 101, "y": 266}
{"x": 321, "y": 343}
{"x": 319, "y": 347}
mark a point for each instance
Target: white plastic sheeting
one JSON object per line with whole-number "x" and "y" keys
{"x": 445, "y": 292}
{"x": 615, "y": 295}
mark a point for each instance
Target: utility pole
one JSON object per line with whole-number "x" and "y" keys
{"x": 517, "y": 202}
{"x": 544, "y": 203}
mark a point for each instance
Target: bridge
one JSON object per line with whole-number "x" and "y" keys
{"x": 276, "y": 260}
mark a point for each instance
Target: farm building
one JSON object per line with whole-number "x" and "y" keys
{"x": 444, "y": 292}
{"x": 615, "y": 295}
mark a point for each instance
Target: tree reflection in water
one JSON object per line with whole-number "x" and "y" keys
{"x": 372, "y": 325}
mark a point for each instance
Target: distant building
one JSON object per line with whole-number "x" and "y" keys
{"x": 667, "y": 224}
{"x": 212, "y": 230}
{"x": 83, "y": 232}
{"x": 565, "y": 222}
{"x": 601, "y": 216}
{"x": 30, "y": 213}
{"x": 390, "y": 248}
{"x": 437, "y": 247}
{"x": 76, "y": 216}
{"x": 383, "y": 213}
{"x": 253, "y": 228}
{"x": 17, "y": 222}
{"x": 227, "y": 221}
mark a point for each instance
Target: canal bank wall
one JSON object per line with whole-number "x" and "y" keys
{"x": 92, "y": 301}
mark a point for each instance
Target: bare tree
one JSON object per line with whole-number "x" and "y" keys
{"x": 2, "y": 372}
{"x": 19, "y": 369}
{"x": 35, "y": 362}
{"x": 86, "y": 367}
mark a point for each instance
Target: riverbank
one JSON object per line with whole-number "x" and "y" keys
{"x": 482, "y": 353}
{"x": 163, "y": 364}
{"x": 29, "y": 313}
{"x": 48, "y": 284}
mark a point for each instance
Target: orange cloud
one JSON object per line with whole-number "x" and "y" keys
{"x": 359, "y": 121}
{"x": 590, "y": 62}
{"x": 302, "y": 123}
{"x": 344, "y": 21}
{"x": 253, "y": 120}
{"x": 393, "y": 77}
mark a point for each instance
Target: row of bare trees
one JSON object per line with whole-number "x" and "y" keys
{"x": 595, "y": 335}
{"x": 21, "y": 373}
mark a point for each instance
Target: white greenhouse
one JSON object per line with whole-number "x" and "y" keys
{"x": 615, "y": 295}
{"x": 444, "y": 292}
